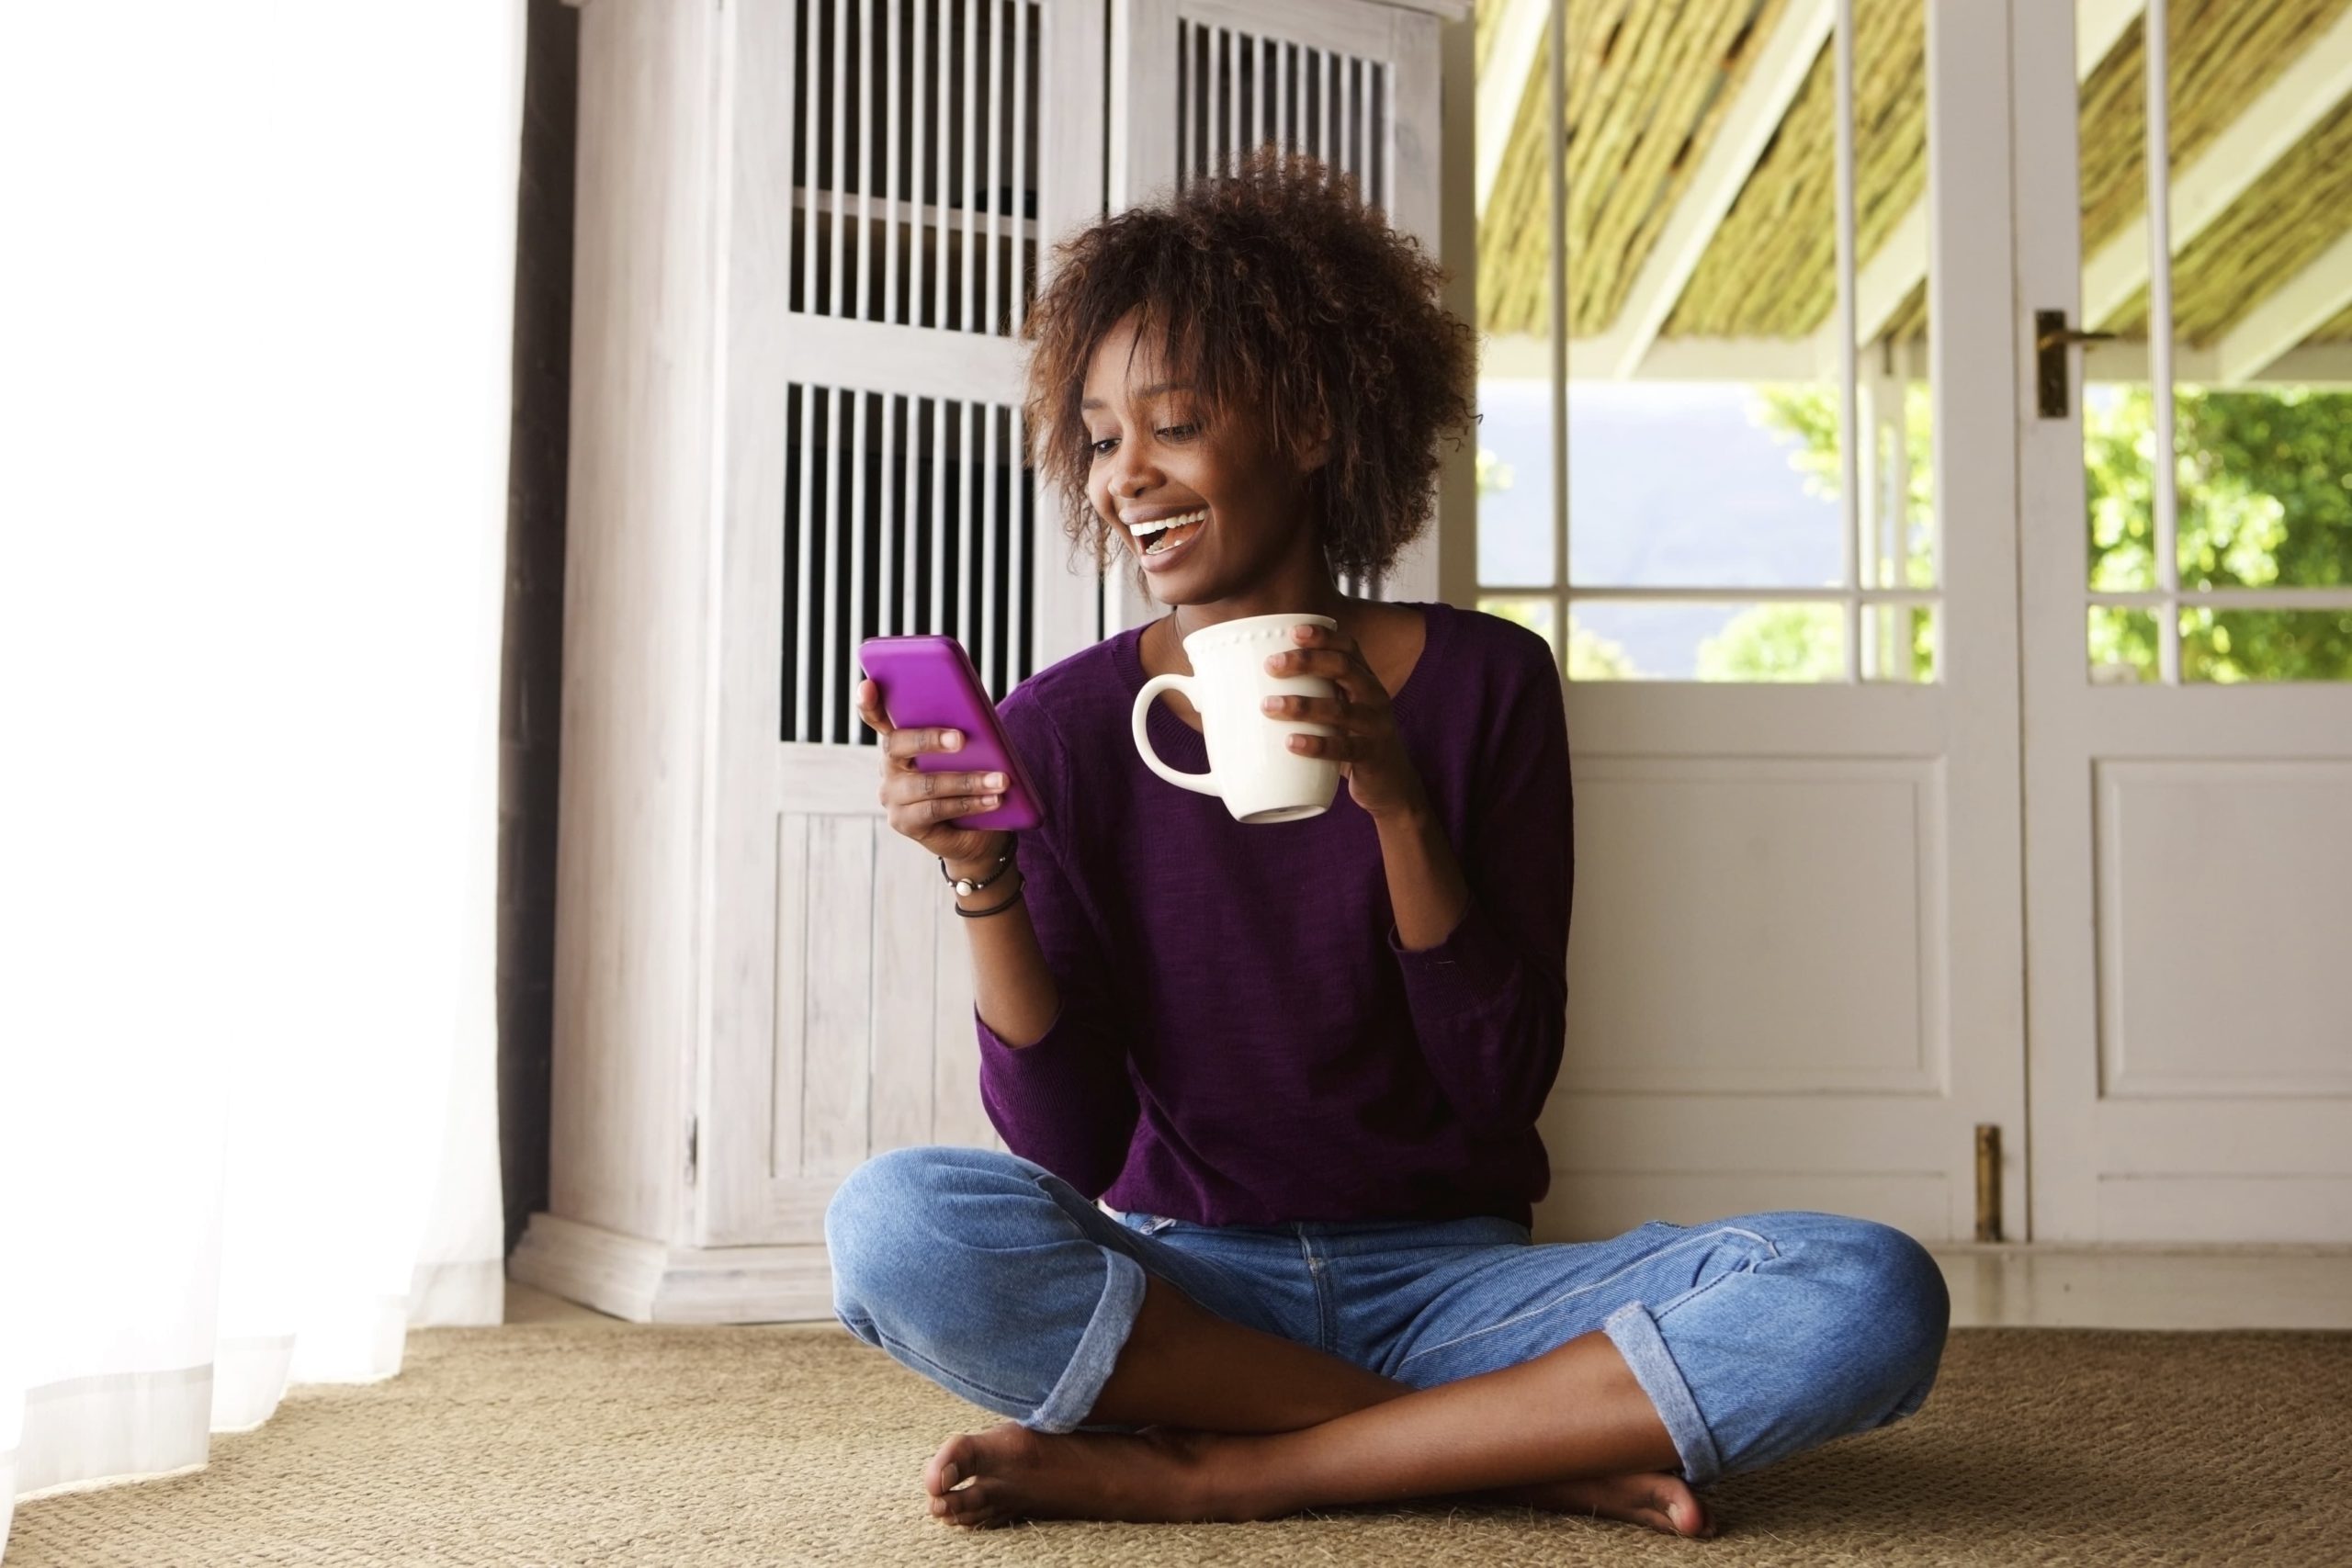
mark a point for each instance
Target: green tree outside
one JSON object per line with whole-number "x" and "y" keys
{"x": 2265, "y": 488}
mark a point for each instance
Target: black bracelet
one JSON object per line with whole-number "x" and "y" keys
{"x": 997, "y": 909}
{"x": 965, "y": 885}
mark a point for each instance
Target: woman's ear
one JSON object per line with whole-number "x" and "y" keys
{"x": 1318, "y": 450}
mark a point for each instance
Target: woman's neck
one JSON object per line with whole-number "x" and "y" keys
{"x": 1189, "y": 618}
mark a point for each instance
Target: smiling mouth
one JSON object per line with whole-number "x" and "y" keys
{"x": 1160, "y": 537}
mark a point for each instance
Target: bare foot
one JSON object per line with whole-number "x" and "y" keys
{"x": 1658, "y": 1499}
{"x": 1158, "y": 1475}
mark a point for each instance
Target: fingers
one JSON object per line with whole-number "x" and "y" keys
{"x": 1333, "y": 748}
{"x": 934, "y": 797}
{"x": 906, "y": 743}
{"x": 918, "y": 785}
{"x": 917, "y": 801}
{"x": 1335, "y": 711}
{"x": 869, "y": 707}
{"x": 946, "y": 808}
{"x": 916, "y": 818}
{"x": 1330, "y": 663}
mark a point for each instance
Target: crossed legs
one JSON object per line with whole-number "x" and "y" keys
{"x": 999, "y": 1281}
{"x": 1246, "y": 1424}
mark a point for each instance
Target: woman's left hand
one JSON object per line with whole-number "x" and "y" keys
{"x": 1370, "y": 754}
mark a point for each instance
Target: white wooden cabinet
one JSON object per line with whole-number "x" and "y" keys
{"x": 806, "y": 235}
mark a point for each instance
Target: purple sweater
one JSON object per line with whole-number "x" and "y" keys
{"x": 1243, "y": 1039}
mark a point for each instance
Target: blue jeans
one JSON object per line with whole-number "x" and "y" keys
{"x": 1757, "y": 1337}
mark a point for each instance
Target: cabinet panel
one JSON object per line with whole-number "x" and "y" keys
{"x": 898, "y": 170}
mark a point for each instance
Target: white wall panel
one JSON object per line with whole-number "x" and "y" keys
{"x": 2224, "y": 910}
{"x": 1754, "y": 925}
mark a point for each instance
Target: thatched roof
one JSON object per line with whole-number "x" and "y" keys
{"x": 2280, "y": 226}
{"x": 1648, "y": 83}
{"x": 1772, "y": 269}
{"x": 1651, "y": 84}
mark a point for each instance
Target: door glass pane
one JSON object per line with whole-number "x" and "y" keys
{"x": 2119, "y": 434}
{"x": 1685, "y": 641}
{"x": 1516, "y": 529}
{"x": 1716, "y": 459}
{"x": 1702, "y": 484}
{"x": 2122, "y": 646}
{"x": 1712, "y": 448}
{"x": 2228, "y": 646}
{"x": 1902, "y": 638}
{"x": 2260, "y": 235}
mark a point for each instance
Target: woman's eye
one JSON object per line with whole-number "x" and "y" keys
{"x": 1103, "y": 444}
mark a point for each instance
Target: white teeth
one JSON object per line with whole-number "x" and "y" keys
{"x": 1146, "y": 530}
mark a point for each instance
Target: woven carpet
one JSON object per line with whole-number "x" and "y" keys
{"x": 582, "y": 1444}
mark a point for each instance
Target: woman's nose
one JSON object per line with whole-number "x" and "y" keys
{"x": 1133, "y": 476}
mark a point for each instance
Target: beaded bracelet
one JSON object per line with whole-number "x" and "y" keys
{"x": 965, "y": 885}
{"x": 999, "y": 909}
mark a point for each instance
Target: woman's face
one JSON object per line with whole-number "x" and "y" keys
{"x": 1155, "y": 455}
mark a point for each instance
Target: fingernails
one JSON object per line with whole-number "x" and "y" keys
{"x": 994, "y": 781}
{"x": 950, "y": 1476}
{"x": 952, "y": 740}
{"x": 1272, "y": 705}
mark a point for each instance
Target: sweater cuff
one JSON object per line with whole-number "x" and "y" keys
{"x": 1058, "y": 1079}
{"x": 1473, "y": 962}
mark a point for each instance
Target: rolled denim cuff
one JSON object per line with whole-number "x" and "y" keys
{"x": 1081, "y": 1382}
{"x": 1634, "y": 1332}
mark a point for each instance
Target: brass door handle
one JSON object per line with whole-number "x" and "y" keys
{"x": 2067, "y": 336}
{"x": 2051, "y": 338}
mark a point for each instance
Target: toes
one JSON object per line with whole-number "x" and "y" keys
{"x": 971, "y": 1506}
{"x": 954, "y": 1461}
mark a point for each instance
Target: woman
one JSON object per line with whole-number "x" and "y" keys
{"x": 1300, "y": 1065}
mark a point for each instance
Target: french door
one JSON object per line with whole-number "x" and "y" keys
{"x": 1986, "y": 874}
{"x": 1795, "y": 977}
{"x": 2187, "y": 713}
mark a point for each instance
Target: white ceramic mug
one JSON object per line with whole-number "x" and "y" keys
{"x": 1251, "y": 766}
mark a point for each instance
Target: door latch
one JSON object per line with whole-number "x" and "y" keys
{"x": 2052, "y": 339}
{"x": 1988, "y": 1181}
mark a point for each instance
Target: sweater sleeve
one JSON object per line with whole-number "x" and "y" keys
{"x": 1064, "y": 1101}
{"x": 1489, "y": 1003}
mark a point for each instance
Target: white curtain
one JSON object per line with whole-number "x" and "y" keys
{"x": 257, "y": 277}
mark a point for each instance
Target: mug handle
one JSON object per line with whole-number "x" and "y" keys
{"x": 1201, "y": 784}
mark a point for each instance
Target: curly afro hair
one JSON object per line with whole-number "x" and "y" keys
{"x": 1288, "y": 299}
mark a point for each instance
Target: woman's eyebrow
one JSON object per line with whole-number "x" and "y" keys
{"x": 1151, "y": 392}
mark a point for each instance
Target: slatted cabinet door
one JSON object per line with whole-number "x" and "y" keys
{"x": 897, "y": 170}
{"x": 1353, "y": 84}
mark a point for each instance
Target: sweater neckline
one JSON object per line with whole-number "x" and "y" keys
{"x": 1437, "y": 619}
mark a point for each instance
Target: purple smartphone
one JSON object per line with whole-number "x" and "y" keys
{"x": 929, "y": 683}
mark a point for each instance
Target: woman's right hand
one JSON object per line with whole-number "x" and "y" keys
{"x": 919, "y": 804}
